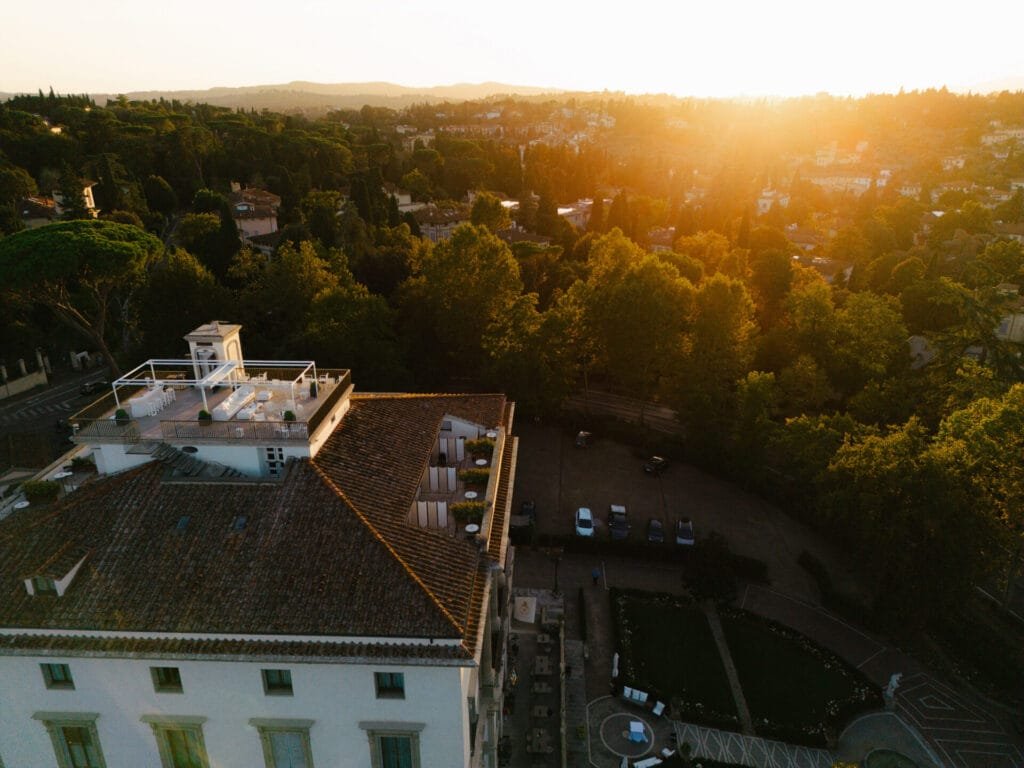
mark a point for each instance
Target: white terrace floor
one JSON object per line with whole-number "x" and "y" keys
{"x": 188, "y": 402}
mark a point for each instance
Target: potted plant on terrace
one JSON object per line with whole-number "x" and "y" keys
{"x": 205, "y": 418}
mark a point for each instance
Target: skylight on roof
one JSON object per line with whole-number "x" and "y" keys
{"x": 182, "y": 523}
{"x": 239, "y": 523}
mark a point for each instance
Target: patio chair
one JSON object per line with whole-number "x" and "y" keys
{"x": 658, "y": 708}
{"x": 627, "y": 693}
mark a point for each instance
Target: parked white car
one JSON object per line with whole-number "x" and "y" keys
{"x": 584, "y": 522}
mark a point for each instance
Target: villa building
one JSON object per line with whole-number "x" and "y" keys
{"x": 254, "y": 211}
{"x": 269, "y": 570}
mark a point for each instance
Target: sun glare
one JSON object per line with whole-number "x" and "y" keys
{"x": 717, "y": 49}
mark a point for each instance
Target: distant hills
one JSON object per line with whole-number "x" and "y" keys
{"x": 305, "y": 96}
{"x": 1012, "y": 83}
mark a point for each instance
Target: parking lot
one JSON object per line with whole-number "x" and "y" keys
{"x": 560, "y": 477}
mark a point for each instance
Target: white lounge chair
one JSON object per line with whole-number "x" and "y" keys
{"x": 627, "y": 693}
{"x": 659, "y": 707}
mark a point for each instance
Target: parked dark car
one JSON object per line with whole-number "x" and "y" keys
{"x": 684, "y": 532}
{"x": 618, "y": 522}
{"x": 92, "y": 387}
{"x": 655, "y": 532}
{"x": 529, "y": 509}
{"x": 656, "y": 465}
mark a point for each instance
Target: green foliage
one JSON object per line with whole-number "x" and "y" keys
{"x": 870, "y": 340}
{"x": 475, "y": 476}
{"x": 159, "y": 195}
{"x": 350, "y": 327}
{"x": 719, "y": 353}
{"x": 483, "y": 447}
{"x": 462, "y": 291}
{"x": 164, "y": 323}
{"x": 15, "y": 184}
{"x": 41, "y": 491}
{"x": 892, "y": 500}
{"x": 467, "y": 511}
{"x": 79, "y": 270}
{"x": 205, "y": 416}
{"x": 636, "y": 308}
{"x": 488, "y": 212}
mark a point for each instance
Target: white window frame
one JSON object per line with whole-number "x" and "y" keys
{"x": 375, "y": 730}
{"x": 55, "y": 722}
{"x": 162, "y": 724}
{"x": 266, "y": 726}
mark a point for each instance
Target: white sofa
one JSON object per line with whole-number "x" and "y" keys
{"x": 233, "y": 403}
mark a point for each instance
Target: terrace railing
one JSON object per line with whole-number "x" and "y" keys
{"x": 329, "y": 400}
{"x": 256, "y": 431}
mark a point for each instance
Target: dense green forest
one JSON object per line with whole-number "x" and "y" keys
{"x": 803, "y": 388}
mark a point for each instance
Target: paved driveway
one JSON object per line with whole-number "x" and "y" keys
{"x": 561, "y": 477}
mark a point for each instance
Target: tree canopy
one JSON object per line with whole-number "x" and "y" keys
{"x": 76, "y": 269}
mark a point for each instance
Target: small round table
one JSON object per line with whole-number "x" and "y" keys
{"x": 63, "y": 475}
{"x": 21, "y": 505}
{"x": 491, "y": 435}
{"x": 472, "y": 529}
{"x": 470, "y": 495}
{"x": 481, "y": 462}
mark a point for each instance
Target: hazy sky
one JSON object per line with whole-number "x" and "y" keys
{"x": 686, "y": 47}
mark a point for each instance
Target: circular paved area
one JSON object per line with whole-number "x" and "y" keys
{"x": 615, "y": 735}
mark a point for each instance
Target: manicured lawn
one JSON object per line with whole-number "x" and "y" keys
{"x": 669, "y": 648}
{"x": 785, "y": 682}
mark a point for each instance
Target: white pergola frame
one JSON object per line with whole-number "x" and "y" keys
{"x": 226, "y": 371}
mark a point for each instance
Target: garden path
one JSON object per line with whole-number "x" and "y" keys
{"x": 708, "y": 606}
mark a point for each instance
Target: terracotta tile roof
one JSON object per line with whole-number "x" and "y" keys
{"x": 254, "y": 196}
{"x": 392, "y": 436}
{"x": 67, "y": 645}
{"x": 328, "y": 550}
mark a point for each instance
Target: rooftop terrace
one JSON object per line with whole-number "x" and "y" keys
{"x": 251, "y": 401}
